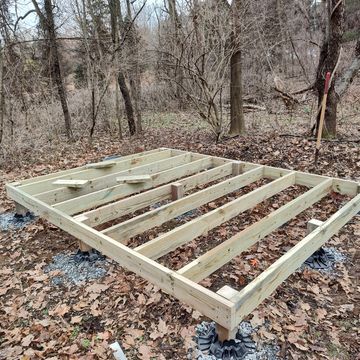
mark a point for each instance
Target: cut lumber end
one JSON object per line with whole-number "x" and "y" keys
{"x": 81, "y": 218}
{"x": 177, "y": 191}
{"x": 75, "y": 184}
{"x": 133, "y": 179}
{"x": 227, "y": 292}
{"x": 313, "y": 224}
{"x": 101, "y": 165}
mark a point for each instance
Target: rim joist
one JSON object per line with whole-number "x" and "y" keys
{"x": 164, "y": 184}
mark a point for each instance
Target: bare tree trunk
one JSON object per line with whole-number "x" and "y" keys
{"x": 135, "y": 90}
{"x": 117, "y": 109}
{"x": 116, "y": 25}
{"x": 127, "y": 102}
{"x": 348, "y": 76}
{"x": 2, "y": 95}
{"x": 93, "y": 113}
{"x": 237, "y": 123}
{"x": 179, "y": 73}
{"x": 132, "y": 44}
{"x": 329, "y": 56}
{"x": 48, "y": 24}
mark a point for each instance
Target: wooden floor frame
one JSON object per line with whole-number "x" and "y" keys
{"x": 78, "y": 199}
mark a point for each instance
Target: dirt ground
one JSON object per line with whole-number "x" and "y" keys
{"x": 312, "y": 315}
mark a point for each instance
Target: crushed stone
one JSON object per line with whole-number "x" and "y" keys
{"x": 11, "y": 221}
{"x": 77, "y": 268}
{"x": 332, "y": 257}
{"x": 253, "y": 350}
{"x": 188, "y": 215}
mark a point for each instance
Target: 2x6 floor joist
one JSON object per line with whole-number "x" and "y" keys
{"x": 215, "y": 258}
{"x": 63, "y": 193}
{"x": 123, "y": 207}
{"x": 104, "y": 196}
{"x": 201, "y": 225}
{"x": 59, "y": 174}
{"x": 86, "y": 173}
{"x": 157, "y": 217}
{"x": 200, "y": 298}
{"x": 253, "y": 294}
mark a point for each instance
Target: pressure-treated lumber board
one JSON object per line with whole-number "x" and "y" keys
{"x": 345, "y": 187}
{"x": 133, "y": 179}
{"x": 199, "y": 226}
{"x": 102, "y": 182}
{"x": 90, "y": 174}
{"x": 123, "y": 207}
{"x": 113, "y": 193}
{"x": 215, "y": 258}
{"x": 160, "y": 215}
{"x": 101, "y": 165}
{"x": 260, "y": 288}
{"x": 200, "y": 298}
{"x": 28, "y": 184}
{"x": 74, "y": 184}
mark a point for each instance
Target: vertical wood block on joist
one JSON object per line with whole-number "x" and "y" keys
{"x": 20, "y": 210}
{"x": 177, "y": 191}
{"x": 223, "y": 333}
{"x": 313, "y": 224}
{"x": 237, "y": 168}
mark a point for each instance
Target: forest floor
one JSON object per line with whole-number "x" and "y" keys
{"x": 312, "y": 315}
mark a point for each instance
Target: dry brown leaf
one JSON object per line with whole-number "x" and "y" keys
{"x": 293, "y": 337}
{"x": 141, "y": 299}
{"x": 320, "y": 313}
{"x": 145, "y": 352}
{"x": 76, "y": 319}
{"x": 136, "y": 333}
{"x": 73, "y": 349}
{"x": 60, "y": 310}
{"x": 26, "y": 341}
{"x": 256, "y": 320}
{"x": 96, "y": 288}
